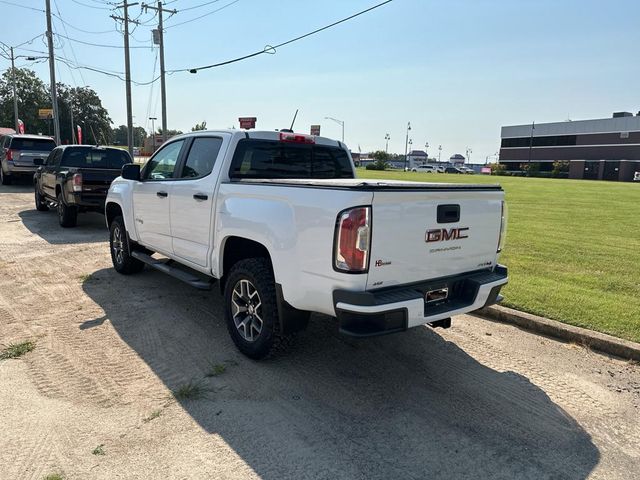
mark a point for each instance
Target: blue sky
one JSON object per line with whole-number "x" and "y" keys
{"x": 456, "y": 69}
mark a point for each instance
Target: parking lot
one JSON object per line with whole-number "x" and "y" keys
{"x": 480, "y": 400}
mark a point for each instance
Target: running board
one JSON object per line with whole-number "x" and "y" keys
{"x": 164, "y": 266}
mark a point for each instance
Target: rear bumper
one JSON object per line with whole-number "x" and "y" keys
{"x": 12, "y": 169}
{"x": 87, "y": 201}
{"x": 395, "y": 309}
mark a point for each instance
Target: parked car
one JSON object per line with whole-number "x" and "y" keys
{"x": 467, "y": 170}
{"x": 18, "y": 152}
{"x": 283, "y": 225}
{"x": 424, "y": 168}
{"x": 452, "y": 170}
{"x": 76, "y": 178}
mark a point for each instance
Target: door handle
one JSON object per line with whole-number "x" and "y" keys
{"x": 200, "y": 196}
{"x": 162, "y": 194}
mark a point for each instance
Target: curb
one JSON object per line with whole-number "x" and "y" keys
{"x": 597, "y": 341}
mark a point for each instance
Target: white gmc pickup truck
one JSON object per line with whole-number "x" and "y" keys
{"x": 283, "y": 225}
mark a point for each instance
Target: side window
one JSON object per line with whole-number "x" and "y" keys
{"x": 202, "y": 156}
{"x": 163, "y": 163}
{"x": 54, "y": 157}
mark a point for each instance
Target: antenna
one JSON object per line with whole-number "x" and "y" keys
{"x": 294, "y": 120}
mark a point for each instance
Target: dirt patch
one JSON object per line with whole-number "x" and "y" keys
{"x": 481, "y": 400}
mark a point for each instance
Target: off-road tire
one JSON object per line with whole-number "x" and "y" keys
{"x": 123, "y": 262}
{"x": 260, "y": 275}
{"x": 41, "y": 203}
{"x": 67, "y": 216}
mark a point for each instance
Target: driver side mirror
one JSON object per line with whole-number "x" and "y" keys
{"x": 38, "y": 162}
{"x": 131, "y": 171}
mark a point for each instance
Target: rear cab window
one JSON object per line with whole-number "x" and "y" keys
{"x": 33, "y": 144}
{"x": 89, "y": 157}
{"x": 270, "y": 159}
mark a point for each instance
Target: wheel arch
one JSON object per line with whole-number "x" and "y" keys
{"x": 111, "y": 211}
{"x": 234, "y": 249}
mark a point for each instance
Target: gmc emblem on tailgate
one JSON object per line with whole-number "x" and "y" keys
{"x": 444, "y": 234}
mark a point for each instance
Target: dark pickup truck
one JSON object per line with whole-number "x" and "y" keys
{"x": 76, "y": 178}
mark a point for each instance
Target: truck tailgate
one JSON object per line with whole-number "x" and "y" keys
{"x": 420, "y": 234}
{"x": 97, "y": 180}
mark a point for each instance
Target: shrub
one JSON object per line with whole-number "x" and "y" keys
{"x": 498, "y": 169}
{"x": 560, "y": 167}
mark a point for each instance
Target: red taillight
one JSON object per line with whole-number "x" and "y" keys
{"x": 352, "y": 240}
{"x": 76, "y": 182}
{"x": 9, "y": 154}
{"x": 296, "y": 138}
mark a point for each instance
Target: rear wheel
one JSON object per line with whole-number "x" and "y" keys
{"x": 41, "y": 204}
{"x": 123, "y": 262}
{"x": 67, "y": 216}
{"x": 251, "y": 308}
{"x": 4, "y": 178}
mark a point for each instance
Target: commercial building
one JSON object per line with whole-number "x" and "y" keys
{"x": 601, "y": 149}
{"x": 416, "y": 157}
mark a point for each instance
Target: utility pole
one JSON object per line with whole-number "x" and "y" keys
{"x": 439, "y": 152}
{"x": 127, "y": 70}
{"x": 52, "y": 75}
{"x": 15, "y": 97}
{"x": 163, "y": 90}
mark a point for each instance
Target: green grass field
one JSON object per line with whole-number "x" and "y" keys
{"x": 573, "y": 248}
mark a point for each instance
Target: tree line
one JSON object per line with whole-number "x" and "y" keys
{"x": 85, "y": 104}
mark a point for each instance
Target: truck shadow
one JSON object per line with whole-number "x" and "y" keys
{"x": 18, "y": 185}
{"x": 411, "y": 405}
{"x": 90, "y": 229}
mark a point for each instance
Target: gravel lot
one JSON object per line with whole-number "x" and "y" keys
{"x": 480, "y": 400}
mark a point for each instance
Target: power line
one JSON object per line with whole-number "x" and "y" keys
{"x": 272, "y": 49}
{"x": 102, "y": 45}
{"x": 198, "y": 6}
{"x": 114, "y": 74}
{"x": 22, "y": 6}
{"x": 202, "y": 16}
{"x": 93, "y": 6}
{"x": 73, "y": 52}
{"x": 80, "y": 29}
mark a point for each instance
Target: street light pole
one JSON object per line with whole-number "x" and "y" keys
{"x": 533, "y": 127}
{"x": 73, "y": 132}
{"x": 339, "y": 122}
{"x": 406, "y": 145}
{"x": 387, "y": 137}
{"x": 153, "y": 133}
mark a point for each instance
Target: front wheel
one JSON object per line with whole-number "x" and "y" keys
{"x": 122, "y": 260}
{"x": 251, "y": 308}
{"x": 41, "y": 203}
{"x": 67, "y": 216}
